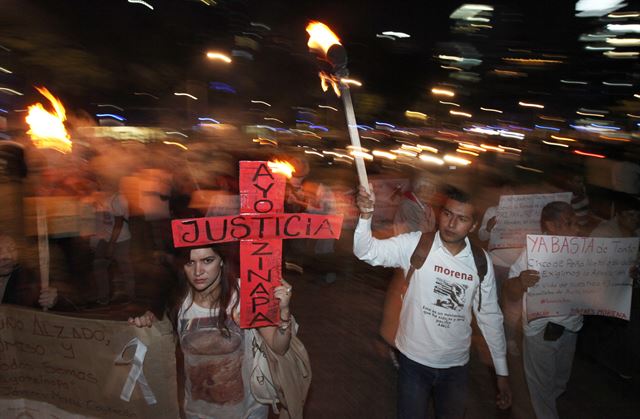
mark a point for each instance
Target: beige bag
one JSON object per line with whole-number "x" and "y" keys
{"x": 392, "y": 306}
{"x": 282, "y": 380}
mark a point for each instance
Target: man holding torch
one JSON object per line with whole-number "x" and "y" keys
{"x": 445, "y": 286}
{"x": 434, "y": 334}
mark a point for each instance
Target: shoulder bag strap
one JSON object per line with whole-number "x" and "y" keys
{"x": 420, "y": 253}
{"x": 480, "y": 259}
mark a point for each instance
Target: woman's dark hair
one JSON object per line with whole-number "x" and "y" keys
{"x": 228, "y": 286}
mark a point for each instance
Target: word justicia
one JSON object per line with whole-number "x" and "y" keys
{"x": 222, "y": 229}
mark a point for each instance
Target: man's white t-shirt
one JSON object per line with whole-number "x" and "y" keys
{"x": 435, "y": 320}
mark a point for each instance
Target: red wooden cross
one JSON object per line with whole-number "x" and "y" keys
{"x": 260, "y": 228}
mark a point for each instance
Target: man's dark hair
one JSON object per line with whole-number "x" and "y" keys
{"x": 552, "y": 211}
{"x": 458, "y": 195}
{"x": 461, "y": 196}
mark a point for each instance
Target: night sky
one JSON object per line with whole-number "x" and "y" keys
{"x": 90, "y": 51}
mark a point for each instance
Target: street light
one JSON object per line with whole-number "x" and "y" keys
{"x": 212, "y": 55}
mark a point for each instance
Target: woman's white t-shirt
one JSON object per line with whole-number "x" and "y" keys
{"x": 217, "y": 368}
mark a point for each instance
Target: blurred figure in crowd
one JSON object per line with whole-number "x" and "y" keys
{"x": 224, "y": 198}
{"x": 13, "y": 170}
{"x": 607, "y": 339}
{"x": 625, "y": 173}
{"x": 304, "y": 194}
{"x": 415, "y": 212}
{"x": 625, "y": 222}
{"x": 19, "y": 285}
{"x": 502, "y": 259}
{"x": 154, "y": 192}
{"x": 214, "y": 188}
{"x": 550, "y": 342}
{"x": 572, "y": 180}
{"x": 111, "y": 243}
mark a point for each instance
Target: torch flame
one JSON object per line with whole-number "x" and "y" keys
{"x": 321, "y": 37}
{"x": 328, "y": 79}
{"x": 47, "y": 129}
{"x": 282, "y": 167}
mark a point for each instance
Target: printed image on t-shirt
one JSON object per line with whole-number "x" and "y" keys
{"x": 450, "y": 295}
{"x": 213, "y": 361}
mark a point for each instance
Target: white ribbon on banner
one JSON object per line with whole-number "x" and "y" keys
{"x": 135, "y": 375}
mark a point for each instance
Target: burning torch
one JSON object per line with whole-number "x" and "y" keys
{"x": 325, "y": 42}
{"x": 47, "y": 131}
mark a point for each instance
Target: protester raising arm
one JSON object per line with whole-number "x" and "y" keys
{"x": 488, "y": 223}
{"x": 278, "y": 338}
{"x": 389, "y": 252}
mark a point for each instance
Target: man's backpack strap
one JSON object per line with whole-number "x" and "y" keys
{"x": 420, "y": 253}
{"x": 480, "y": 260}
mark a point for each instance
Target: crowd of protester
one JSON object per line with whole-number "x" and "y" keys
{"x": 109, "y": 205}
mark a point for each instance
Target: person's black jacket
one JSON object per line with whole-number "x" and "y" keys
{"x": 23, "y": 288}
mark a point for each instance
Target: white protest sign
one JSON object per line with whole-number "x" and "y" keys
{"x": 580, "y": 275}
{"x": 519, "y": 215}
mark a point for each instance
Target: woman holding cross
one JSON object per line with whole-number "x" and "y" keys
{"x": 218, "y": 354}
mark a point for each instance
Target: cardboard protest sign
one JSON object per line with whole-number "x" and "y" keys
{"x": 519, "y": 215}
{"x": 67, "y": 216}
{"x": 580, "y": 275}
{"x": 260, "y": 228}
{"x": 58, "y": 366}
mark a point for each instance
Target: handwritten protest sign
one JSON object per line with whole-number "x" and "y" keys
{"x": 519, "y": 215}
{"x": 580, "y": 275}
{"x": 260, "y": 228}
{"x": 58, "y": 366}
{"x": 67, "y": 216}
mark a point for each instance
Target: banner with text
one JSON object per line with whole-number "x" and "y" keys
{"x": 257, "y": 227}
{"x": 260, "y": 228}
{"x": 580, "y": 275}
{"x": 59, "y": 366}
{"x": 519, "y": 215}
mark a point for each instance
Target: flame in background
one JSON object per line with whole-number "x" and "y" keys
{"x": 282, "y": 167}
{"x": 321, "y": 37}
{"x": 47, "y": 129}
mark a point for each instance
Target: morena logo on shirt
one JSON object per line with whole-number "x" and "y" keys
{"x": 452, "y": 273}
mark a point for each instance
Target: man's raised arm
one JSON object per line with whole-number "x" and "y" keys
{"x": 390, "y": 252}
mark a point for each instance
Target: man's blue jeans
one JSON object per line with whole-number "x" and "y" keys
{"x": 417, "y": 381}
